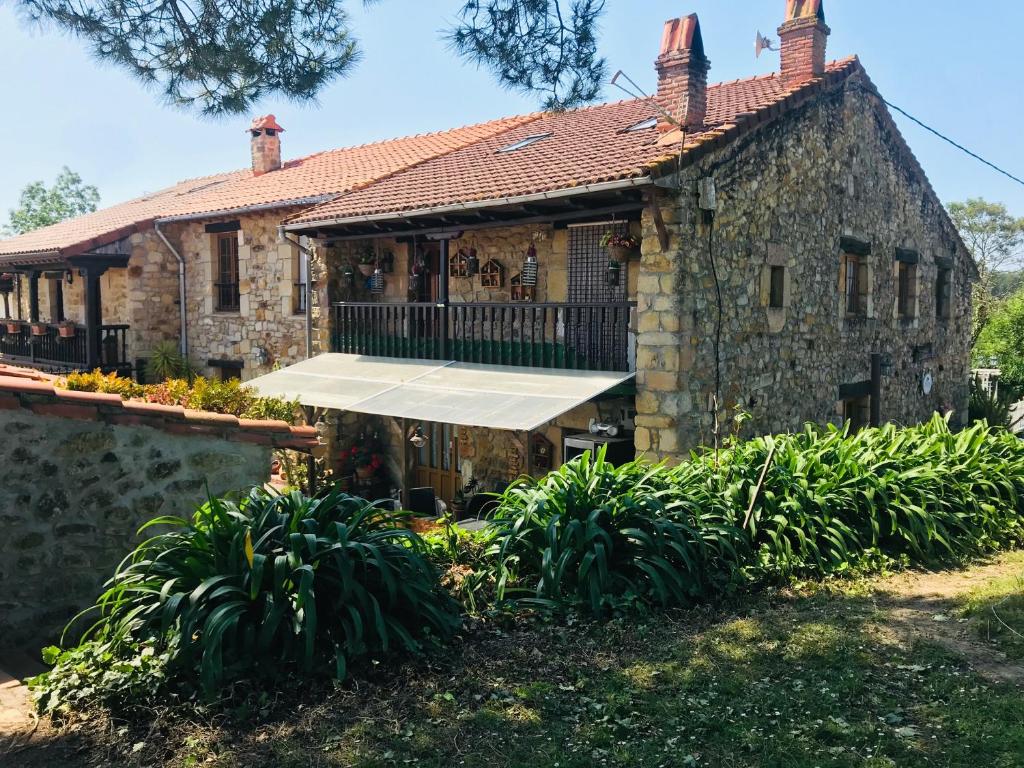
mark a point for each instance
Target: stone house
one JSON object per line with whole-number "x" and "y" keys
{"x": 793, "y": 261}
{"x": 201, "y": 263}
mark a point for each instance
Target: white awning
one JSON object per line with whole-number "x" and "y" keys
{"x": 468, "y": 394}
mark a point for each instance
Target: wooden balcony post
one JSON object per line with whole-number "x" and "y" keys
{"x": 442, "y": 298}
{"x": 93, "y": 314}
{"x": 33, "y": 297}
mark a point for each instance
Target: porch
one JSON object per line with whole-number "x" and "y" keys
{"x": 573, "y": 336}
{"x": 55, "y": 312}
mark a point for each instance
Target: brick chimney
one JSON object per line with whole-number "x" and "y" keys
{"x": 266, "y": 144}
{"x": 803, "y": 35}
{"x": 683, "y": 73}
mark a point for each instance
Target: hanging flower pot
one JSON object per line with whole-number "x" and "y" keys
{"x": 529, "y": 273}
{"x": 621, "y": 247}
{"x": 377, "y": 281}
{"x": 614, "y": 272}
{"x": 66, "y": 330}
{"x": 367, "y": 269}
{"x": 13, "y": 327}
{"x": 365, "y": 472}
{"x": 39, "y": 329}
{"x": 472, "y": 262}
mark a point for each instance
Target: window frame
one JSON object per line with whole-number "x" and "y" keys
{"x": 857, "y": 412}
{"x": 856, "y": 285}
{"x": 776, "y": 286}
{"x": 943, "y": 292}
{"x": 906, "y": 290}
{"x": 226, "y": 266}
{"x": 299, "y": 285}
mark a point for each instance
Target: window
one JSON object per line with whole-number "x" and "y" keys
{"x": 857, "y": 411}
{"x": 777, "y": 287}
{"x": 301, "y": 282}
{"x": 525, "y": 142}
{"x": 225, "y": 370}
{"x": 226, "y": 284}
{"x": 906, "y": 297}
{"x": 643, "y": 125}
{"x": 855, "y": 284}
{"x": 943, "y": 290}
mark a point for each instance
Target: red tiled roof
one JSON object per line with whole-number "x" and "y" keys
{"x": 582, "y": 147}
{"x": 298, "y": 182}
{"x": 31, "y": 391}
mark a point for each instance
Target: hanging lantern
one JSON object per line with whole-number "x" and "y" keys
{"x": 348, "y": 276}
{"x": 472, "y": 263}
{"x": 377, "y": 281}
{"x": 529, "y": 273}
{"x": 614, "y": 272}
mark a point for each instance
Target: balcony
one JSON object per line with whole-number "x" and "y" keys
{"x": 51, "y": 352}
{"x": 594, "y": 337}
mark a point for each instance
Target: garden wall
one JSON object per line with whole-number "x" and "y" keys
{"x": 84, "y": 471}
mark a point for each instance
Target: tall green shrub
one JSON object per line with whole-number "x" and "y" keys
{"x": 275, "y": 584}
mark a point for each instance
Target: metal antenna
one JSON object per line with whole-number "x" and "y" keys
{"x": 638, "y": 93}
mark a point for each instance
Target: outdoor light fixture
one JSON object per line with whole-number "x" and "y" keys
{"x": 69, "y": 277}
{"x": 418, "y": 439}
{"x": 472, "y": 263}
{"x": 529, "y": 273}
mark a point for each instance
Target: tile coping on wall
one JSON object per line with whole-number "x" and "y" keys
{"x": 33, "y": 391}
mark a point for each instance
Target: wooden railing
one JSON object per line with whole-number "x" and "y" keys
{"x": 52, "y": 352}
{"x": 574, "y": 336}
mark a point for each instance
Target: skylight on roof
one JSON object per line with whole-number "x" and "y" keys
{"x": 524, "y": 142}
{"x": 643, "y": 125}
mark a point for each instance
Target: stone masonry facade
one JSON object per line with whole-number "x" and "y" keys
{"x": 787, "y": 197}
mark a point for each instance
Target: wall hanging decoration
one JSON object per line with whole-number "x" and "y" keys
{"x": 472, "y": 262}
{"x": 520, "y": 292}
{"x": 541, "y": 453}
{"x": 621, "y": 246}
{"x": 377, "y": 281}
{"x": 348, "y": 276}
{"x": 492, "y": 275}
{"x": 529, "y": 273}
{"x": 457, "y": 264}
{"x": 614, "y": 272}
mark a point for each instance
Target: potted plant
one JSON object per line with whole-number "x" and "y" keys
{"x": 13, "y": 327}
{"x": 366, "y": 460}
{"x": 459, "y": 504}
{"x": 39, "y": 329}
{"x": 66, "y": 329}
{"x": 620, "y": 246}
{"x": 367, "y": 262}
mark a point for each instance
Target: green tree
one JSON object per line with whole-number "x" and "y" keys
{"x": 40, "y": 206}
{"x": 1002, "y": 342}
{"x": 996, "y": 240}
{"x": 220, "y": 56}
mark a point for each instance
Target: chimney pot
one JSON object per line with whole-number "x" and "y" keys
{"x": 804, "y": 37}
{"x": 265, "y": 143}
{"x": 683, "y": 73}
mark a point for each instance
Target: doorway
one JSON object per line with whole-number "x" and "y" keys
{"x": 436, "y": 464}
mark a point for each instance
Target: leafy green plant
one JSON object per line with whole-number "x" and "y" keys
{"x": 991, "y": 407}
{"x": 167, "y": 362}
{"x": 94, "y": 673}
{"x": 817, "y": 502}
{"x": 275, "y": 584}
{"x": 464, "y": 559}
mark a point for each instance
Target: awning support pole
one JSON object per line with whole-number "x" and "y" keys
{"x": 404, "y": 480}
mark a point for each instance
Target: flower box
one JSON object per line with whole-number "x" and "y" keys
{"x": 13, "y": 327}
{"x": 66, "y": 330}
{"x": 40, "y": 329}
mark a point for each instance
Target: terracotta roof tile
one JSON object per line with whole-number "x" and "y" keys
{"x": 582, "y": 147}
{"x": 298, "y": 182}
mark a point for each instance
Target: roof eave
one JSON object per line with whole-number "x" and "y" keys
{"x": 583, "y": 189}
{"x": 245, "y": 209}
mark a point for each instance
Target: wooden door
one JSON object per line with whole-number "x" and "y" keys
{"x": 436, "y": 464}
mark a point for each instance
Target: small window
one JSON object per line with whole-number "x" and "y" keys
{"x": 299, "y": 287}
{"x": 857, "y": 411}
{"x": 777, "y": 287}
{"x": 943, "y": 292}
{"x": 226, "y": 284}
{"x": 855, "y": 275}
{"x": 524, "y": 142}
{"x": 907, "y": 290}
{"x": 643, "y": 125}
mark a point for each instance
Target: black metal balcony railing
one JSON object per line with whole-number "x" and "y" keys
{"x": 52, "y": 352}
{"x": 573, "y": 336}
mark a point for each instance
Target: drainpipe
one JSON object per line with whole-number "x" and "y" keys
{"x": 286, "y": 237}
{"x": 181, "y": 287}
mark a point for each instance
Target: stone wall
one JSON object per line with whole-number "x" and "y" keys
{"x": 75, "y": 494}
{"x": 786, "y": 197}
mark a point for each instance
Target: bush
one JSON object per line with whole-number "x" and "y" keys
{"x": 231, "y": 397}
{"x": 271, "y": 585}
{"x": 602, "y": 537}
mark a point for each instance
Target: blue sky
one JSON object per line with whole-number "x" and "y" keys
{"x": 952, "y": 64}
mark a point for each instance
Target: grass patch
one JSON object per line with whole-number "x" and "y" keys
{"x": 996, "y": 609}
{"x": 774, "y": 681}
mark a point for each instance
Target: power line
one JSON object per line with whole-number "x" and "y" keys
{"x": 945, "y": 138}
